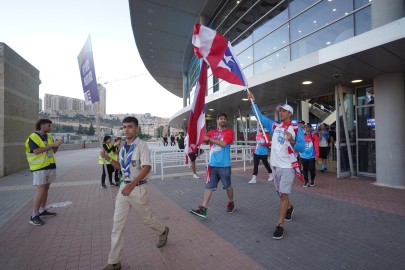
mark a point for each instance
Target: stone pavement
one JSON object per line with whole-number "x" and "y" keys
{"x": 338, "y": 224}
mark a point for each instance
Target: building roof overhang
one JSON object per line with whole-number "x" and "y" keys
{"x": 163, "y": 30}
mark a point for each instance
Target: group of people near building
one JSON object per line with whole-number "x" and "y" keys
{"x": 179, "y": 140}
{"x": 132, "y": 164}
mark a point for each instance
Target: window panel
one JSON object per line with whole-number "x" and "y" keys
{"x": 299, "y": 5}
{"x": 360, "y": 3}
{"x": 335, "y": 33}
{"x": 272, "y": 61}
{"x": 362, "y": 21}
{"x": 273, "y": 42}
{"x": 319, "y": 16}
{"x": 367, "y": 157}
{"x": 271, "y": 22}
{"x": 246, "y": 58}
{"x": 365, "y": 96}
{"x": 366, "y": 123}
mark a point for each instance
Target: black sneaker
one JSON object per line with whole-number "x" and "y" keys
{"x": 305, "y": 184}
{"x": 278, "y": 233}
{"x": 230, "y": 207}
{"x": 36, "y": 221}
{"x": 312, "y": 184}
{"x": 46, "y": 213}
{"x": 201, "y": 211}
{"x": 103, "y": 186}
{"x": 288, "y": 215}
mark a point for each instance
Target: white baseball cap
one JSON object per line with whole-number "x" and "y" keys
{"x": 285, "y": 107}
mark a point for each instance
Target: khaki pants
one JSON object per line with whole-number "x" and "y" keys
{"x": 139, "y": 201}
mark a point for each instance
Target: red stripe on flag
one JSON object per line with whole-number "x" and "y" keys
{"x": 196, "y": 122}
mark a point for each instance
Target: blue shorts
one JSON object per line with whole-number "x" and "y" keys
{"x": 217, "y": 174}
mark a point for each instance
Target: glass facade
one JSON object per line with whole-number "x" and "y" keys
{"x": 366, "y": 130}
{"x": 267, "y": 34}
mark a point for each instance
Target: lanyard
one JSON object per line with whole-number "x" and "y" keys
{"x": 125, "y": 164}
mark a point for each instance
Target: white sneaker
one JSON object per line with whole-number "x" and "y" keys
{"x": 253, "y": 181}
{"x": 196, "y": 176}
{"x": 271, "y": 177}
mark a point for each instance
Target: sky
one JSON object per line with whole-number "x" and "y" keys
{"x": 50, "y": 34}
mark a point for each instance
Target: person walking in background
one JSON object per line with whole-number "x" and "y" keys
{"x": 117, "y": 147}
{"x": 165, "y": 142}
{"x": 219, "y": 166}
{"x": 135, "y": 165}
{"x": 192, "y": 156}
{"x": 324, "y": 140}
{"x": 261, "y": 152}
{"x": 172, "y": 142}
{"x": 109, "y": 148}
{"x": 40, "y": 149}
{"x": 309, "y": 155}
{"x": 283, "y": 160}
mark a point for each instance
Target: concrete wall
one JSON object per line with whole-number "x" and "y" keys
{"x": 19, "y": 103}
{"x": 389, "y": 95}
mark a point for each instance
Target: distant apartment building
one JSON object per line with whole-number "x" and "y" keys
{"x": 67, "y": 105}
{"x": 40, "y": 104}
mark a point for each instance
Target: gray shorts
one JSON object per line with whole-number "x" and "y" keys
{"x": 283, "y": 179}
{"x": 43, "y": 177}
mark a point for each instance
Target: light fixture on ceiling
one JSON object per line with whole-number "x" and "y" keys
{"x": 184, "y": 119}
{"x": 356, "y": 81}
{"x": 245, "y": 99}
{"x": 306, "y": 82}
{"x": 211, "y": 109}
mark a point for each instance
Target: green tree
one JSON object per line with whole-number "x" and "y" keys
{"x": 91, "y": 130}
{"x": 143, "y": 136}
{"x": 85, "y": 130}
{"x": 159, "y": 132}
{"x": 80, "y": 130}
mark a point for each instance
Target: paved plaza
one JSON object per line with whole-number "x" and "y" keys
{"x": 338, "y": 224}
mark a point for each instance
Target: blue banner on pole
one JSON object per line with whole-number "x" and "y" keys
{"x": 88, "y": 73}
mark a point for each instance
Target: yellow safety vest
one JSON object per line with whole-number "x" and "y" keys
{"x": 42, "y": 160}
{"x": 115, "y": 155}
{"x": 111, "y": 155}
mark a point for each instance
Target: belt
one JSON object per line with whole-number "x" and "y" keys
{"x": 137, "y": 184}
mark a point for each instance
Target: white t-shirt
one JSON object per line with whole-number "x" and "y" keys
{"x": 279, "y": 153}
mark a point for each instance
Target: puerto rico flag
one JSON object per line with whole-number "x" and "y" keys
{"x": 214, "y": 49}
{"x": 196, "y": 123}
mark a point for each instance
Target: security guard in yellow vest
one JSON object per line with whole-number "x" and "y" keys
{"x": 40, "y": 149}
{"x": 110, "y": 149}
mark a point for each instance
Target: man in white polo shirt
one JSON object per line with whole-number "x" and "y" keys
{"x": 284, "y": 143}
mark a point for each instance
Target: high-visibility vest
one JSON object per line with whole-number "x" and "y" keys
{"x": 110, "y": 154}
{"x": 42, "y": 160}
{"x": 115, "y": 156}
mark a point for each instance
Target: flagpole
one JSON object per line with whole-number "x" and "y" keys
{"x": 101, "y": 146}
{"x": 257, "y": 116}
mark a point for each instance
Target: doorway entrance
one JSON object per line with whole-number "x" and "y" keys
{"x": 346, "y": 149}
{"x": 355, "y": 131}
